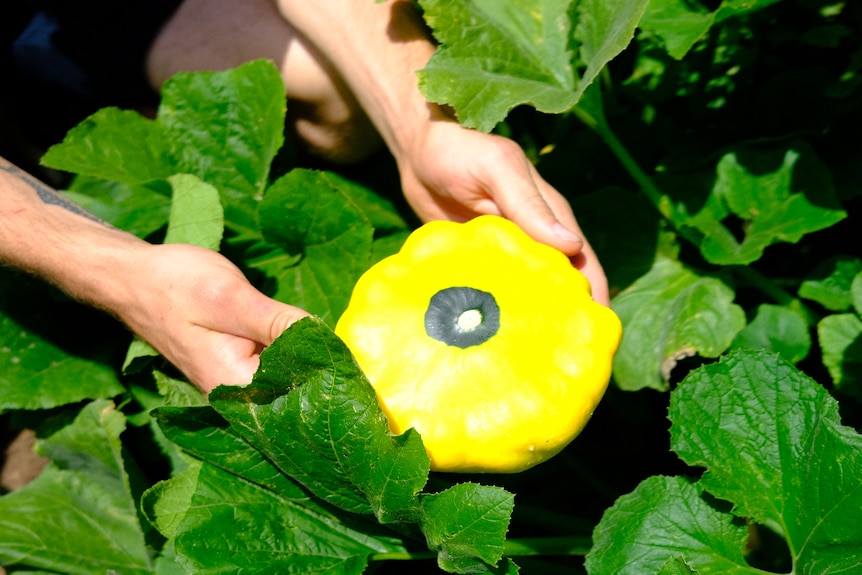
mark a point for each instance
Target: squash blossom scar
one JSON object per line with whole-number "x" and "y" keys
{"x": 462, "y": 316}
{"x": 470, "y": 320}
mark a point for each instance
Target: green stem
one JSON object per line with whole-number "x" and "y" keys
{"x": 659, "y": 200}
{"x": 773, "y": 290}
{"x": 664, "y": 205}
{"x": 547, "y": 546}
{"x": 404, "y": 556}
{"x": 521, "y": 547}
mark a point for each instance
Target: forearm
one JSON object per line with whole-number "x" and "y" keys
{"x": 377, "y": 49}
{"x": 43, "y": 233}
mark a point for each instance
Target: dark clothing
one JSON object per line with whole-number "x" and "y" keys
{"x": 61, "y": 61}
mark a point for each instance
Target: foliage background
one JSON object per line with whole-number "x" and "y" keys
{"x": 713, "y": 163}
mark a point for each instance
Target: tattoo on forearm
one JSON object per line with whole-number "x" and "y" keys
{"x": 47, "y": 194}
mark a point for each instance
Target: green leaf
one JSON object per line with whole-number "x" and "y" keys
{"x": 206, "y": 435}
{"x": 139, "y": 356}
{"x": 311, "y": 412}
{"x": 379, "y": 211}
{"x": 495, "y": 56}
{"x": 731, "y": 8}
{"x": 196, "y": 216}
{"x": 773, "y": 446}
{"x": 779, "y": 329}
{"x": 665, "y": 518}
{"x": 310, "y": 417}
{"x": 768, "y": 208}
{"x": 235, "y": 117}
{"x": 78, "y": 516}
{"x": 840, "y": 338}
{"x": 41, "y": 348}
{"x": 177, "y": 392}
{"x": 138, "y": 209}
{"x": 830, "y": 283}
{"x": 114, "y": 144}
{"x": 233, "y": 526}
{"x": 772, "y": 443}
{"x": 223, "y": 127}
{"x": 669, "y": 314}
{"x": 678, "y": 23}
{"x": 309, "y": 214}
{"x": 676, "y": 566}
{"x": 604, "y": 28}
{"x": 856, "y": 293}
{"x": 465, "y": 523}
{"x": 236, "y": 477}
{"x": 166, "y": 503}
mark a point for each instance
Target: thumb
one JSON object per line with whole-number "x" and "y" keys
{"x": 266, "y": 319}
{"x": 283, "y": 320}
{"x": 279, "y": 318}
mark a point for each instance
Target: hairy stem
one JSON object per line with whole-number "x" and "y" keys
{"x": 665, "y": 207}
{"x": 520, "y": 547}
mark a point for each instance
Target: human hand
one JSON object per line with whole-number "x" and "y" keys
{"x": 202, "y": 314}
{"x": 455, "y": 173}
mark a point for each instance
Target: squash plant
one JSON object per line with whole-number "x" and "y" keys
{"x": 710, "y": 150}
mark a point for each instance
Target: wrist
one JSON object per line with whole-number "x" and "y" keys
{"x": 376, "y": 49}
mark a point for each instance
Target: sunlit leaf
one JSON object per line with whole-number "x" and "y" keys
{"x": 310, "y": 215}
{"x": 778, "y": 329}
{"x": 772, "y": 443}
{"x": 669, "y": 314}
{"x": 830, "y": 284}
{"x": 775, "y": 452}
{"x": 767, "y": 206}
{"x": 494, "y": 56}
{"x": 79, "y": 515}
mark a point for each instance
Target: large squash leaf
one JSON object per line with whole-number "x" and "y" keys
{"x": 494, "y": 56}
{"x": 772, "y": 443}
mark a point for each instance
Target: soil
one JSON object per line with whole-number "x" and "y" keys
{"x": 20, "y": 464}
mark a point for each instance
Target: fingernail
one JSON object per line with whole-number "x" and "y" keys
{"x": 566, "y": 234}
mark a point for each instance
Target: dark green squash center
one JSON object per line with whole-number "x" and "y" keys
{"x": 462, "y": 316}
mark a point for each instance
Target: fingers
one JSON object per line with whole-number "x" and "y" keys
{"x": 536, "y": 217}
{"x": 204, "y": 316}
{"x": 522, "y": 196}
{"x": 222, "y": 359}
{"x": 231, "y": 354}
{"x": 525, "y": 198}
{"x": 254, "y": 321}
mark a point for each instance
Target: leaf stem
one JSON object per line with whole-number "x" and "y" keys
{"x": 524, "y": 546}
{"x": 403, "y": 556}
{"x": 521, "y": 547}
{"x": 659, "y": 200}
{"x": 773, "y": 290}
{"x": 664, "y": 205}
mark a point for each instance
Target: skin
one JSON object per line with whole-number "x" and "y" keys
{"x": 190, "y": 303}
{"x": 364, "y": 90}
{"x": 349, "y": 75}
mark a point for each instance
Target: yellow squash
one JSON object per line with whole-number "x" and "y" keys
{"x": 483, "y": 340}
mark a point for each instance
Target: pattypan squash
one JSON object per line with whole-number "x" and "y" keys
{"x": 483, "y": 340}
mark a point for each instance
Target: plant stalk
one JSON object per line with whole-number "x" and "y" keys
{"x": 664, "y": 205}
{"x": 521, "y": 547}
